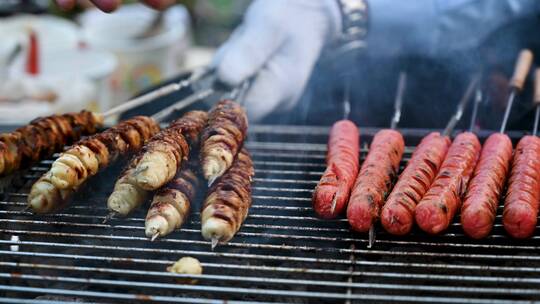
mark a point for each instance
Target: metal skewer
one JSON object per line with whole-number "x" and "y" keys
{"x": 402, "y": 83}
{"x": 522, "y": 67}
{"x": 398, "y": 103}
{"x": 477, "y": 101}
{"x": 462, "y": 105}
{"x": 157, "y": 93}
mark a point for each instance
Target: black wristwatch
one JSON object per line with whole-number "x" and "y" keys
{"x": 354, "y": 15}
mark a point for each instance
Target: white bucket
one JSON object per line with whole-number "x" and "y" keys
{"x": 142, "y": 62}
{"x": 78, "y": 65}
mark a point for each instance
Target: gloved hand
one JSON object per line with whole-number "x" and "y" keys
{"x": 110, "y": 5}
{"x": 278, "y": 45}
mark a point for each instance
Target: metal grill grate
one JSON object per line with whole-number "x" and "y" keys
{"x": 283, "y": 253}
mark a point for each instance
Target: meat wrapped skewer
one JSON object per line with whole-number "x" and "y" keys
{"x": 159, "y": 159}
{"x": 171, "y": 204}
{"x": 228, "y": 201}
{"x": 86, "y": 158}
{"x": 127, "y": 195}
{"x": 43, "y": 137}
{"x": 222, "y": 138}
{"x": 164, "y": 154}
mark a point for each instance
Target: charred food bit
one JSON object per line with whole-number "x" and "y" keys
{"x": 186, "y": 265}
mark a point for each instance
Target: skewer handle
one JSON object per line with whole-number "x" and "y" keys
{"x": 536, "y": 99}
{"x": 523, "y": 65}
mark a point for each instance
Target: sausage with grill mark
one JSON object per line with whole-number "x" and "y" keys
{"x": 523, "y": 195}
{"x": 375, "y": 179}
{"x": 397, "y": 214}
{"x": 483, "y": 194}
{"x": 342, "y": 162}
{"x": 438, "y": 207}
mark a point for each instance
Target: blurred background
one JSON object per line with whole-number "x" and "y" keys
{"x": 53, "y": 61}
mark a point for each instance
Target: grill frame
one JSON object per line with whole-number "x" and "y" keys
{"x": 283, "y": 253}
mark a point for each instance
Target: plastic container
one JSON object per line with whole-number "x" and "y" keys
{"x": 53, "y": 33}
{"x": 142, "y": 62}
{"x": 75, "y": 66}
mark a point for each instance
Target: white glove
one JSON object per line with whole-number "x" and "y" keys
{"x": 278, "y": 43}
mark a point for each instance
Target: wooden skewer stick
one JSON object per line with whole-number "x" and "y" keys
{"x": 523, "y": 65}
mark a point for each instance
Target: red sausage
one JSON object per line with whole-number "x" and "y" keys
{"x": 375, "y": 179}
{"x": 483, "y": 194}
{"x": 342, "y": 162}
{"x": 398, "y": 212}
{"x": 521, "y": 203}
{"x": 438, "y": 207}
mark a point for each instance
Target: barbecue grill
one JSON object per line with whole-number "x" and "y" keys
{"x": 282, "y": 254}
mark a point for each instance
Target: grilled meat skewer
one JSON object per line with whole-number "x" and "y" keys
{"x": 164, "y": 154}
{"x": 228, "y": 201}
{"x": 438, "y": 207}
{"x": 222, "y": 138}
{"x": 375, "y": 179}
{"x": 85, "y": 159}
{"x": 42, "y": 137}
{"x": 332, "y": 192}
{"x": 171, "y": 204}
{"x": 523, "y": 195}
{"x": 397, "y": 214}
{"x": 152, "y": 168}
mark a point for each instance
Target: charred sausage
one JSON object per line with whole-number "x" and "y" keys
{"x": 397, "y": 214}
{"x": 375, "y": 179}
{"x": 522, "y": 197}
{"x": 483, "y": 194}
{"x": 438, "y": 207}
{"x": 342, "y": 162}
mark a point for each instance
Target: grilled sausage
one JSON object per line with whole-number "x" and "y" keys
{"x": 397, "y": 213}
{"x": 375, "y": 179}
{"x": 42, "y": 137}
{"x": 86, "y": 158}
{"x": 483, "y": 194}
{"x": 228, "y": 201}
{"x": 438, "y": 207}
{"x": 164, "y": 154}
{"x": 222, "y": 138}
{"x": 342, "y": 162}
{"x": 522, "y": 198}
{"x": 171, "y": 204}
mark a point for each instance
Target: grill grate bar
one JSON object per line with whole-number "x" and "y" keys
{"x": 282, "y": 253}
